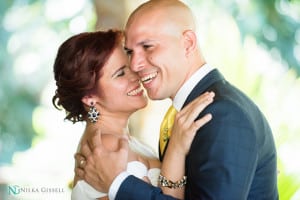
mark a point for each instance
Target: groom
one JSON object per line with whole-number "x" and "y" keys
{"x": 232, "y": 157}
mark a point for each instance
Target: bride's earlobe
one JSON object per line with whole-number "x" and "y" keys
{"x": 87, "y": 100}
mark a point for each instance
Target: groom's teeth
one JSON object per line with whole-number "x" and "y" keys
{"x": 135, "y": 92}
{"x": 149, "y": 77}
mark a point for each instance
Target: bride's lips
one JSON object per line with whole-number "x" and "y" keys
{"x": 148, "y": 78}
{"x": 136, "y": 91}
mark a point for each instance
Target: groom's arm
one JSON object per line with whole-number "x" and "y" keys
{"x": 114, "y": 187}
{"x": 106, "y": 171}
{"x": 133, "y": 188}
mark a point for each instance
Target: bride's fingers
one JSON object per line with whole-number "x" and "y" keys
{"x": 202, "y": 98}
{"x": 202, "y": 102}
{"x": 193, "y": 110}
{"x": 192, "y": 104}
{"x": 200, "y": 122}
{"x": 197, "y": 102}
{"x": 199, "y": 107}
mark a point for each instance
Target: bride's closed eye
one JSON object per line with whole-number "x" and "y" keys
{"x": 119, "y": 72}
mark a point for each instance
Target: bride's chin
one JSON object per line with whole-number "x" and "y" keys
{"x": 141, "y": 106}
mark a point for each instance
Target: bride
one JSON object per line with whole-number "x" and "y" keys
{"x": 95, "y": 85}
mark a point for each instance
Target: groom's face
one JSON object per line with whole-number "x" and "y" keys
{"x": 156, "y": 53}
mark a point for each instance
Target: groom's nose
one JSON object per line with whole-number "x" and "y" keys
{"x": 138, "y": 61}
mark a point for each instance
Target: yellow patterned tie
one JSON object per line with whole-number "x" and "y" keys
{"x": 166, "y": 128}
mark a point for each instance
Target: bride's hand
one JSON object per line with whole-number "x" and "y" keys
{"x": 185, "y": 127}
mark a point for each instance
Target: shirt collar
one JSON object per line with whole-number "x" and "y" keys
{"x": 189, "y": 85}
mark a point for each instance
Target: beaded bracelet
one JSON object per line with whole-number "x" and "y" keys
{"x": 164, "y": 182}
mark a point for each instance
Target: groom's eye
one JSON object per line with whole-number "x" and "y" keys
{"x": 128, "y": 52}
{"x": 147, "y": 46}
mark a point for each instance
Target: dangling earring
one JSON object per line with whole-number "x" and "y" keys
{"x": 93, "y": 113}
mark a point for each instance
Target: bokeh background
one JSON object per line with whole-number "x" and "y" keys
{"x": 256, "y": 44}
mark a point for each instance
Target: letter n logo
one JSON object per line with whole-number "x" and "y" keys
{"x": 13, "y": 190}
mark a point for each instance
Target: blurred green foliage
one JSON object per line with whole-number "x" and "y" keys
{"x": 16, "y": 103}
{"x": 274, "y": 23}
{"x": 27, "y": 34}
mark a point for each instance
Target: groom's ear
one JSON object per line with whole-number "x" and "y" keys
{"x": 190, "y": 42}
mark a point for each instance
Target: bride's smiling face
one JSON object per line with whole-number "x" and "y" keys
{"x": 119, "y": 88}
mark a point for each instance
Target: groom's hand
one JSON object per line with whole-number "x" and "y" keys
{"x": 101, "y": 166}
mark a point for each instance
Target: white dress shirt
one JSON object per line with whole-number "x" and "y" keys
{"x": 178, "y": 102}
{"x": 189, "y": 85}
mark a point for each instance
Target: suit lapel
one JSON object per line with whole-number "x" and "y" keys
{"x": 204, "y": 85}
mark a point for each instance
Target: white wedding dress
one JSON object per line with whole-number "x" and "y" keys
{"x": 83, "y": 190}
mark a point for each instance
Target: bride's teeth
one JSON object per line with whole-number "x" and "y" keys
{"x": 135, "y": 92}
{"x": 150, "y": 76}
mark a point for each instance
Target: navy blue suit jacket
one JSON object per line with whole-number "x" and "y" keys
{"x": 232, "y": 157}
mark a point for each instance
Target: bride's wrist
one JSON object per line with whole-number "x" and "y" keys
{"x": 176, "y": 150}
